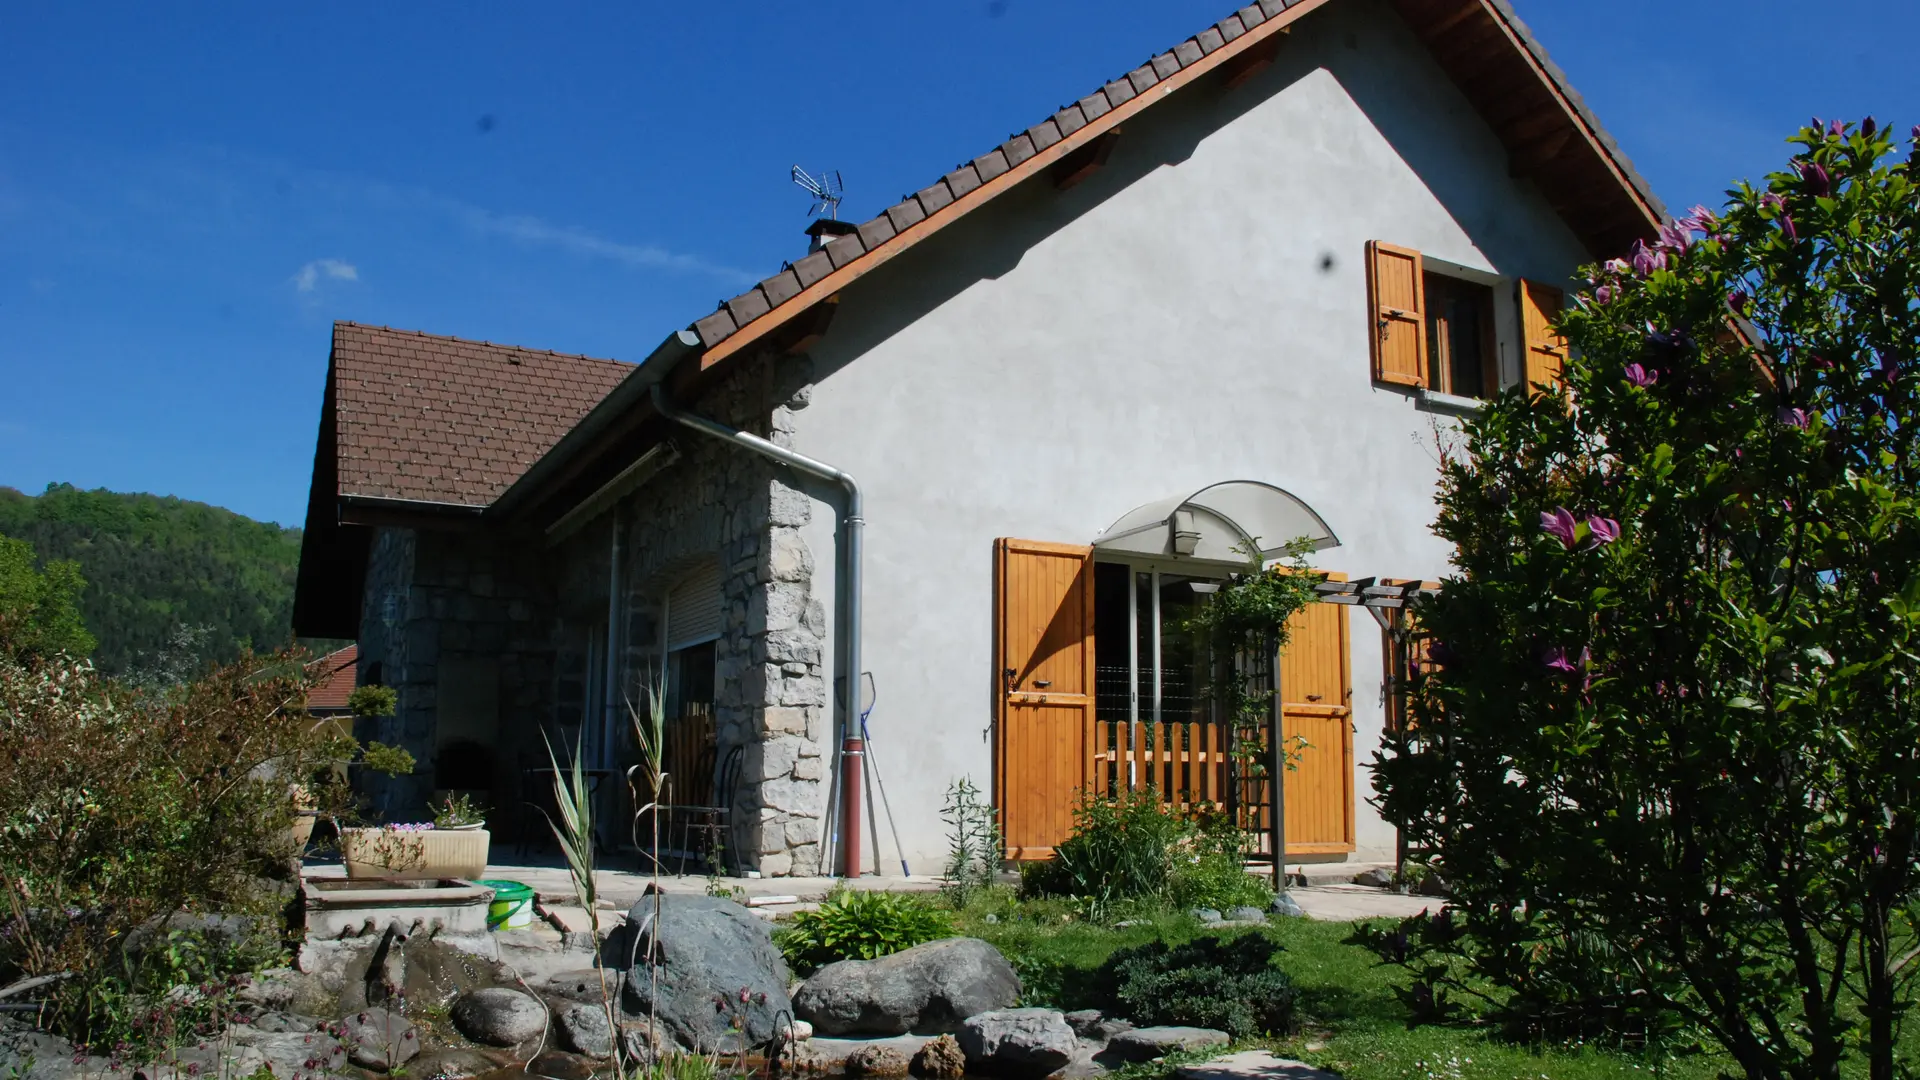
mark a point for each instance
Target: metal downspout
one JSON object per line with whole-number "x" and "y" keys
{"x": 609, "y": 706}
{"x": 854, "y": 520}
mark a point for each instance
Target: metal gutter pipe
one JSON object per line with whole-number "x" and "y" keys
{"x": 854, "y": 519}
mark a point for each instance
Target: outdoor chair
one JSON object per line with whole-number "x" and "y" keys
{"x": 712, "y": 823}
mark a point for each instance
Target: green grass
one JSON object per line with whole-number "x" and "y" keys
{"x": 1352, "y": 1021}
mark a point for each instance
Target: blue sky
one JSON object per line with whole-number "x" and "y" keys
{"x": 190, "y": 194}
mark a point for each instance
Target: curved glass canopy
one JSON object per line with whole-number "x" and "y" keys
{"x": 1219, "y": 523}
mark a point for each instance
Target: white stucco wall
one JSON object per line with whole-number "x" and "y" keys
{"x": 1195, "y": 312}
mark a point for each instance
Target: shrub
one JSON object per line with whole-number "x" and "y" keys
{"x": 1122, "y": 848}
{"x": 1228, "y": 983}
{"x": 1672, "y": 732}
{"x": 121, "y": 808}
{"x": 974, "y": 848}
{"x": 855, "y": 924}
{"x": 1212, "y": 870}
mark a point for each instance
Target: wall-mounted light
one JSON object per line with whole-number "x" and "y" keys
{"x": 1186, "y": 532}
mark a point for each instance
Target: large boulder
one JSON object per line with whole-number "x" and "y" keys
{"x": 928, "y": 989}
{"x": 378, "y": 1039}
{"x": 719, "y": 980}
{"x": 1017, "y": 1042}
{"x": 498, "y": 1016}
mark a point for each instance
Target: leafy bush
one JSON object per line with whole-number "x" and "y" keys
{"x": 1215, "y": 982}
{"x": 855, "y": 924}
{"x": 120, "y": 809}
{"x": 1137, "y": 848}
{"x": 1670, "y": 739}
{"x": 39, "y": 608}
{"x": 1212, "y": 869}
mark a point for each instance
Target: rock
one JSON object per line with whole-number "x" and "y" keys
{"x": 801, "y": 1031}
{"x": 498, "y": 1016}
{"x": 39, "y": 1055}
{"x": 1246, "y": 913}
{"x": 584, "y": 1029}
{"x": 1145, "y": 1044}
{"x": 1205, "y": 914}
{"x": 1017, "y": 1042}
{"x": 928, "y": 989}
{"x": 584, "y": 985}
{"x": 378, "y": 1039}
{"x": 462, "y": 1064}
{"x": 1284, "y": 905}
{"x": 876, "y": 1061}
{"x": 1253, "y": 1065}
{"x": 711, "y": 951}
{"x": 638, "y": 1046}
{"x": 282, "y": 989}
{"x": 940, "y": 1059}
{"x": 1434, "y": 885}
{"x": 1083, "y": 1021}
{"x": 303, "y": 1052}
{"x": 1375, "y": 878}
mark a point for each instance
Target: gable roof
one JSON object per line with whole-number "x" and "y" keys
{"x": 339, "y": 673}
{"x": 424, "y": 418}
{"x": 1482, "y": 45}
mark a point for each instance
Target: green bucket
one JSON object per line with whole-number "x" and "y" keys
{"x": 512, "y": 907}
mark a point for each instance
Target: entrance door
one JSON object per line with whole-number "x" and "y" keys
{"x": 1316, "y": 690}
{"x": 1043, "y": 690}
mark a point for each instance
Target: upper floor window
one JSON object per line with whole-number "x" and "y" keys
{"x": 1439, "y": 332}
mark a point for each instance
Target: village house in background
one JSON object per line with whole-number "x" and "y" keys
{"x": 1236, "y": 296}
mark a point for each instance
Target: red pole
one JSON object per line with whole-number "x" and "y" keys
{"x": 853, "y": 759}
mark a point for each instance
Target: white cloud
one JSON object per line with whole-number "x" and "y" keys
{"x": 577, "y": 241}
{"x": 332, "y": 269}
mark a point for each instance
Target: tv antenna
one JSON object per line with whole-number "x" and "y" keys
{"x": 825, "y": 189}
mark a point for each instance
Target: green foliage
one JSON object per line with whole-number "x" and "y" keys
{"x": 1667, "y": 756}
{"x": 39, "y": 607}
{"x": 458, "y": 810}
{"x": 373, "y": 701}
{"x": 1135, "y": 848}
{"x": 974, "y": 847}
{"x": 855, "y": 924}
{"x": 1230, "y": 984}
{"x": 392, "y": 760}
{"x": 120, "y": 807}
{"x": 154, "y": 564}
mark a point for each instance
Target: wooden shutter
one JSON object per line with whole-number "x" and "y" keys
{"x": 1396, "y": 304}
{"x": 1316, "y": 690}
{"x": 1043, "y": 690}
{"x": 1546, "y": 350}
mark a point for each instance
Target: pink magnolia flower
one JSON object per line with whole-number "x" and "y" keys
{"x": 1560, "y": 525}
{"x": 1603, "y": 530}
{"x": 1646, "y": 260}
{"x": 1795, "y": 418}
{"x": 1815, "y": 176}
{"x": 1619, "y": 266}
{"x": 1771, "y": 201}
{"x": 1786, "y": 226}
{"x": 1677, "y": 235}
{"x": 1868, "y": 127}
{"x": 1838, "y": 127}
{"x": 1738, "y": 299}
{"x": 1640, "y": 376}
{"x": 1603, "y": 295}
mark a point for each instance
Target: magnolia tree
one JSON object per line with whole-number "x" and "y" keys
{"x": 1667, "y": 744}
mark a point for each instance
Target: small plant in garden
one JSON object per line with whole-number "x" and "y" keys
{"x": 373, "y": 701}
{"x": 1214, "y": 982}
{"x": 855, "y": 924}
{"x": 974, "y": 847}
{"x": 457, "y": 812}
{"x": 1121, "y": 848}
{"x": 1665, "y": 740}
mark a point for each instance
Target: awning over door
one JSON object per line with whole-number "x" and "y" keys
{"x": 1219, "y": 523}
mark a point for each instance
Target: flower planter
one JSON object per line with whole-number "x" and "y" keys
{"x": 408, "y": 855}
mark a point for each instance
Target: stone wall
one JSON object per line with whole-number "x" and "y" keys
{"x": 718, "y": 501}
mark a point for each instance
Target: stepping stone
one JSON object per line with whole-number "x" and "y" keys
{"x": 1253, "y": 1065}
{"x": 1145, "y": 1044}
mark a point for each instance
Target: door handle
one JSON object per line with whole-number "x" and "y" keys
{"x": 1043, "y": 683}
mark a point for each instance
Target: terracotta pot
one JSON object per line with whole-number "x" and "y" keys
{"x": 415, "y": 856}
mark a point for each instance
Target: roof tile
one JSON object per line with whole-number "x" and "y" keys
{"x": 877, "y": 232}
{"x": 991, "y": 164}
{"x": 1251, "y": 16}
{"x": 813, "y": 268}
{"x": 963, "y": 180}
{"x": 1188, "y": 51}
{"x": 1142, "y": 78}
{"x": 781, "y": 287}
{"x": 1209, "y": 39}
{"x": 1095, "y": 105}
{"x": 1044, "y": 134}
{"x": 935, "y": 198}
{"x": 748, "y": 306}
{"x": 845, "y": 250}
{"x": 1070, "y": 120}
{"x": 1272, "y": 7}
{"x": 1230, "y": 28}
{"x": 1018, "y": 149}
{"x": 906, "y": 214}
{"x": 1166, "y": 65}
{"x": 714, "y": 328}
{"x": 1120, "y": 91}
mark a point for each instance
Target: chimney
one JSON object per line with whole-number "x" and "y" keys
{"x": 826, "y": 230}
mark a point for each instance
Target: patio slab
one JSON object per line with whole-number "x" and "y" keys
{"x": 1253, "y": 1065}
{"x": 1349, "y": 903}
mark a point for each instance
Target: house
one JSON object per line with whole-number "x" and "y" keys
{"x": 336, "y": 673}
{"x": 1236, "y": 296}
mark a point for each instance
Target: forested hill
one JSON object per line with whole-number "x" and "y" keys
{"x": 154, "y": 564}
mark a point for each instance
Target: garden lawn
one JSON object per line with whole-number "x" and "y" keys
{"x": 1352, "y": 1021}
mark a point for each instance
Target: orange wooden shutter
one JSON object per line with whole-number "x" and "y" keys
{"x": 1043, "y": 690}
{"x": 1396, "y": 302}
{"x": 1546, "y": 350}
{"x": 1316, "y": 690}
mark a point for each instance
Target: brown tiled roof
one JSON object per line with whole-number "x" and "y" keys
{"x": 1495, "y": 38}
{"x": 339, "y": 671}
{"x": 445, "y": 420}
